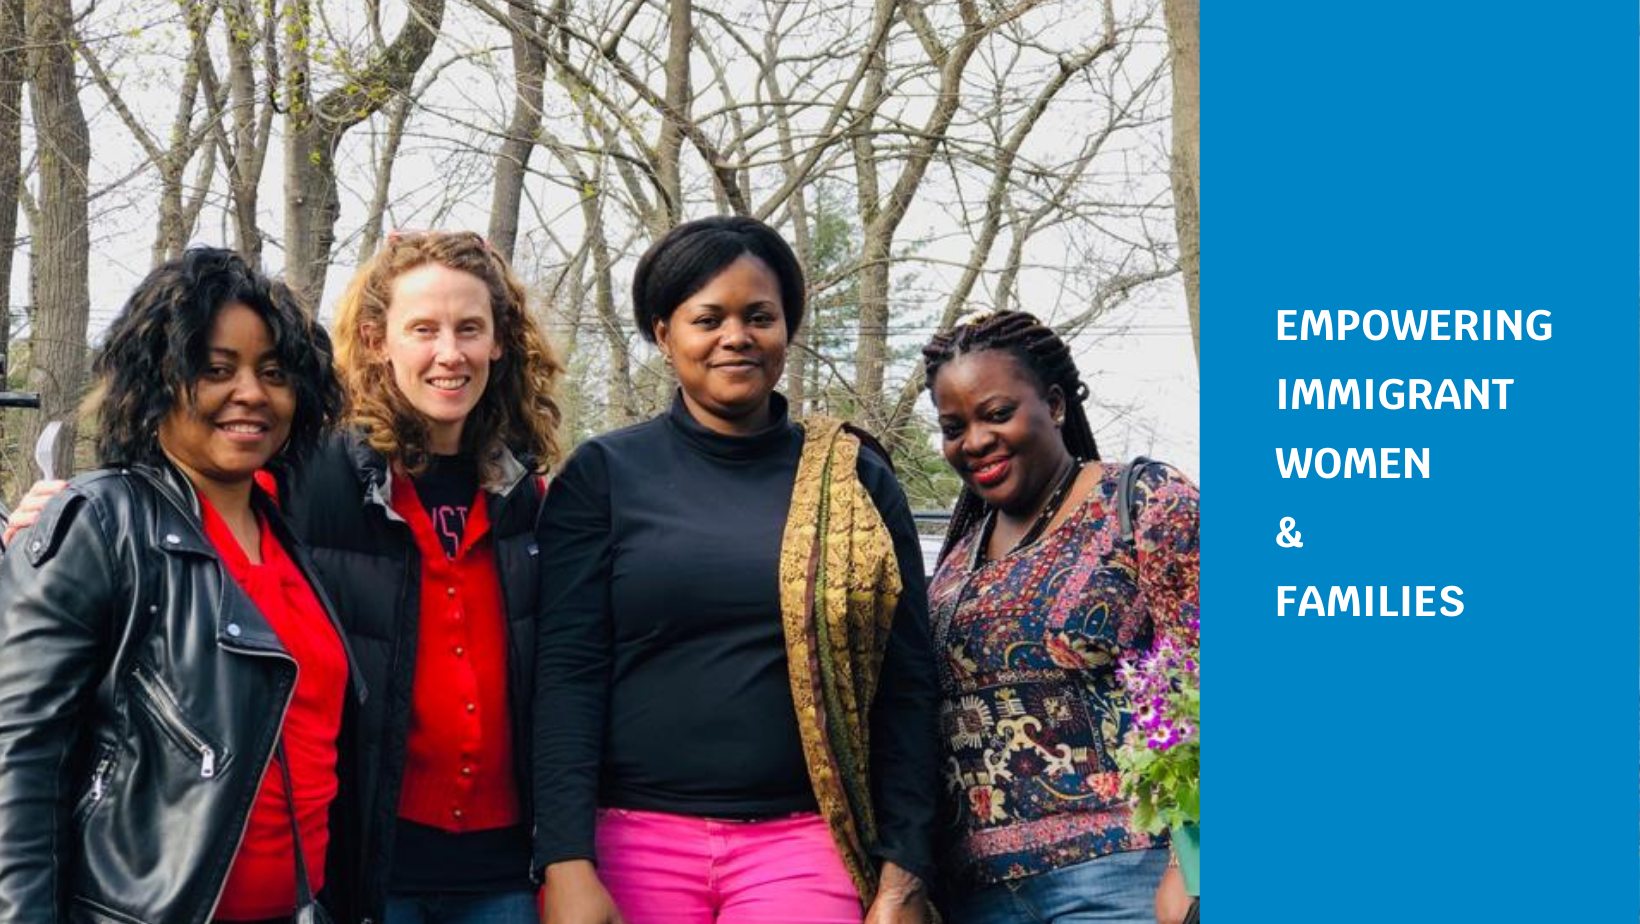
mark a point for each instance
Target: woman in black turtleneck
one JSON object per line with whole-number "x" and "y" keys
{"x": 670, "y": 751}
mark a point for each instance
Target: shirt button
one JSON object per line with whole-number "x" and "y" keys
{"x": 456, "y": 812}
{"x": 449, "y": 591}
{"x": 460, "y": 651}
{"x": 472, "y": 707}
{"x": 466, "y": 771}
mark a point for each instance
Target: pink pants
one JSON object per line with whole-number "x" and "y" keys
{"x": 678, "y": 869}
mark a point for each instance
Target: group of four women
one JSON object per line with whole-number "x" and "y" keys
{"x": 257, "y": 657}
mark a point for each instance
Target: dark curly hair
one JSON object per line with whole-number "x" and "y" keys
{"x": 158, "y": 346}
{"x": 690, "y": 255}
{"x": 1043, "y": 355}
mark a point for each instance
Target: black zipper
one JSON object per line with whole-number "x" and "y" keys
{"x": 101, "y": 771}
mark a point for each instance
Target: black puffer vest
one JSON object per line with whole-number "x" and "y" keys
{"x": 371, "y": 568}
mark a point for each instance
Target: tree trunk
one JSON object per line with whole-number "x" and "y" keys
{"x": 13, "y": 60}
{"x": 1184, "y": 43}
{"x": 247, "y": 153}
{"x": 312, "y": 205}
{"x": 173, "y": 228}
{"x": 798, "y": 359}
{"x": 871, "y": 345}
{"x": 669, "y": 149}
{"x": 513, "y": 160}
{"x": 61, "y": 243}
{"x": 871, "y": 355}
{"x": 376, "y": 215}
{"x": 620, "y": 397}
{"x": 314, "y": 130}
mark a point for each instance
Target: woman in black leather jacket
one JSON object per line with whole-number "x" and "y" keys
{"x": 154, "y": 618}
{"x": 421, "y": 521}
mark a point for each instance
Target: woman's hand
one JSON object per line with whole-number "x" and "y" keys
{"x": 28, "y": 509}
{"x": 901, "y": 899}
{"x": 1172, "y": 904}
{"x": 575, "y": 896}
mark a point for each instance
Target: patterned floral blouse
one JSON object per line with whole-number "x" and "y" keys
{"x": 1031, "y": 707}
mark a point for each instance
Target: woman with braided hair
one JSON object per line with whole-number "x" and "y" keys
{"x": 1039, "y": 593}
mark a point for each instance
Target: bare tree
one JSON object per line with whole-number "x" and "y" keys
{"x": 314, "y": 128}
{"x": 398, "y": 113}
{"x": 751, "y": 106}
{"x": 13, "y": 64}
{"x": 621, "y": 401}
{"x": 60, "y": 256}
{"x": 680, "y": 32}
{"x": 244, "y": 143}
{"x": 1184, "y": 44}
{"x": 179, "y": 206}
{"x": 512, "y": 161}
{"x": 924, "y": 158}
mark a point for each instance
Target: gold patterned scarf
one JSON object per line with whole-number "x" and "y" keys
{"x": 839, "y": 584}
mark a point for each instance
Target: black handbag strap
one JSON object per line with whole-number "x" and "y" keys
{"x": 1124, "y": 494}
{"x": 304, "y": 891}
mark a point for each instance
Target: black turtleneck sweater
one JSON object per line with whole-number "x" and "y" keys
{"x": 662, "y": 680}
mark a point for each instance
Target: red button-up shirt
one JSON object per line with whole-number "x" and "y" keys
{"x": 460, "y": 771}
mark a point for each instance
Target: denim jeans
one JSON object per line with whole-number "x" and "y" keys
{"x": 463, "y": 908}
{"x": 1115, "y": 889}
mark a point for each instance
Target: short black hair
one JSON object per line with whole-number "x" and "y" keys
{"x": 158, "y": 347}
{"x": 690, "y": 255}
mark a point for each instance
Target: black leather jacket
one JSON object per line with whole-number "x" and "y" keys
{"x": 141, "y": 693}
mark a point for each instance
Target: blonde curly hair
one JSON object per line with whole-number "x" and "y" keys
{"x": 518, "y": 410}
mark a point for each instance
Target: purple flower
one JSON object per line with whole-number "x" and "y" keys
{"x": 1164, "y": 737}
{"x": 1148, "y": 719}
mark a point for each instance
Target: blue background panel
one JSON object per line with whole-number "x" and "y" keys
{"x": 1415, "y": 155}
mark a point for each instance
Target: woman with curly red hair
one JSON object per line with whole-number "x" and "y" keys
{"x": 421, "y": 517}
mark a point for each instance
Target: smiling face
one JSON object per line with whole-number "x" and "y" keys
{"x": 999, "y": 431}
{"x": 727, "y": 343}
{"x": 240, "y": 413}
{"x": 440, "y": 340}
